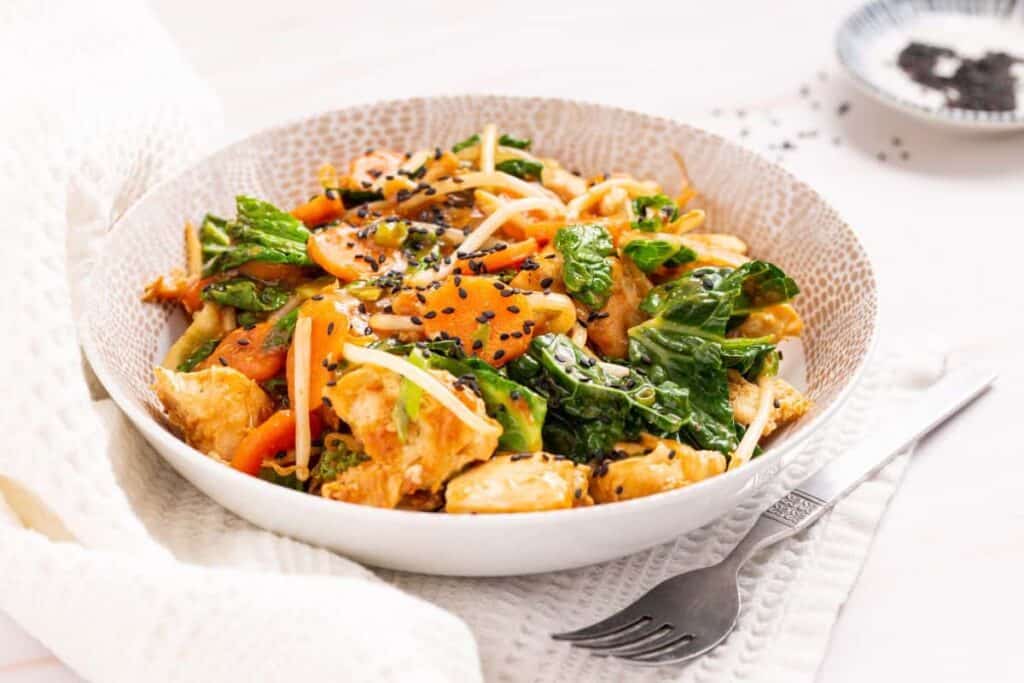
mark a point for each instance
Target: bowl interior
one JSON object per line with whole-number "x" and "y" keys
{"x": 783, "y": 220}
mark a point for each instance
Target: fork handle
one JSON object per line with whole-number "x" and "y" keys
{"x": 803, "y": 506}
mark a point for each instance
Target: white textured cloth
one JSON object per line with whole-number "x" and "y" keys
{"x": 127, "y": 573}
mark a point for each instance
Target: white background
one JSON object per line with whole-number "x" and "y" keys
{"x": 940, "y": 597}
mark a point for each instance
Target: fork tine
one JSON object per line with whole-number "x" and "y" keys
{"x": 620, "y": 621}
{"x": 667, "y": 637}
{"x": 680, "y": 651}
{"x": 641, "y": 631}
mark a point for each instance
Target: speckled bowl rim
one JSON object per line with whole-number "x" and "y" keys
{"x": 846, "y": 45}
{"x": 297, "y": 500}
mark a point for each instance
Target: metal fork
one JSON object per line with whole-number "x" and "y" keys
{"x": 688, "y": 615}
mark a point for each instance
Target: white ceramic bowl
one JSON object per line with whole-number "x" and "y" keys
{"x": 869, "y": 40}
{"x": 783, "y": 220}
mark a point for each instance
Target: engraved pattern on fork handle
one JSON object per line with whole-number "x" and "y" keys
{"x": 795, "y": 508}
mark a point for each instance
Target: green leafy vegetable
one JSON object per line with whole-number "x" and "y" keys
{"x": 592, "y": 405}
{"x": 281, "y": 334}
{"x": 245, "y": 294}
{"x": 653, "y": 212}
{"x": 520, "y": 411}
{"x": 587, "y": 270}
{"x": 212, "y": 236}
{"x": 521, "y": 168}
{"x": 277, "y": 389}
{"x": 519, "y": 143}
{"x": 651, "y": 254}
{"x": 467, "y": 143}
{"x": 335, "y": 458}
{"x": 260, "y": 232}
{"x": 685, "y": 341}
{"x": 198, "y": 355}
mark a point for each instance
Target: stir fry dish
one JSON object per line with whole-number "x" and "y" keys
{"x": 476, "y": 330}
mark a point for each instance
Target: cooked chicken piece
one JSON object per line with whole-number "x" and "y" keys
{"x": 213, "y": 408}
{"x": 562, "y": 182}
{"x": 790, "y": 404}
{"x": 437, "y": 445}
{"x": 614, "y": 201}
{"x": 523, "y": 482}
{"x": 777, "y": 322}
{"x": 629, "y": 287}
{"x": 669, "y": 465}
{"x": 548, "y": 273}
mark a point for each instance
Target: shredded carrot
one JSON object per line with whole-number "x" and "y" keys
{"x": 328, "y": 335}
{"x": 274, "y": 435}
{"x": 509, "y": 257}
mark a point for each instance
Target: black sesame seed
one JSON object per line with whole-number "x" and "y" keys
{"x": 547, "y": 282}
{"x": 499, "y": 354}
{"x": 463, "y": 294}
{"x": 330, "y": 328}
{"x": 222, "y": 361}
{"x": 430, "y": 315}
{"x": 447, "y": 310}
{"x": 477, "y": 345}
{"x": 243, "y": 342}
{"x": 327, "y": 401}
{"x": 317, "y": 297}
{"x": 513, "y": 309}
{"x": 416, "y": 320}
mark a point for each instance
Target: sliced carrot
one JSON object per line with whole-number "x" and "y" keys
{"x": 274, "y": 435}
{"x": 274, "y": 272}
{"x": 474, "y": 311}
{"x": 245, "y": 350}
{"x": 509, "y": 257}
{"x": 369, "y": 167}
{"x": 342, "y": 253}
{"x": 319, "y": 210}
{"x": 328, "y": 335}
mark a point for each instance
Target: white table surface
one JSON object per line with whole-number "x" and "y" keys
{"x": 940, "y": 597}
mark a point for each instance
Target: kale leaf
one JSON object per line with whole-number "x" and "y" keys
{"x": 521, "y": 168}
{"x": 587, "y": 270}
{"x": 685, "y": 343}
{"x": 245, "y": 294}
{"x": 592, "y": 405}
{"x": 260, "y": 232}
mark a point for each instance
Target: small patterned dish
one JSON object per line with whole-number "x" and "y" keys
{"x": 869, "y": 41}
{"x": 782, "y": 219}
